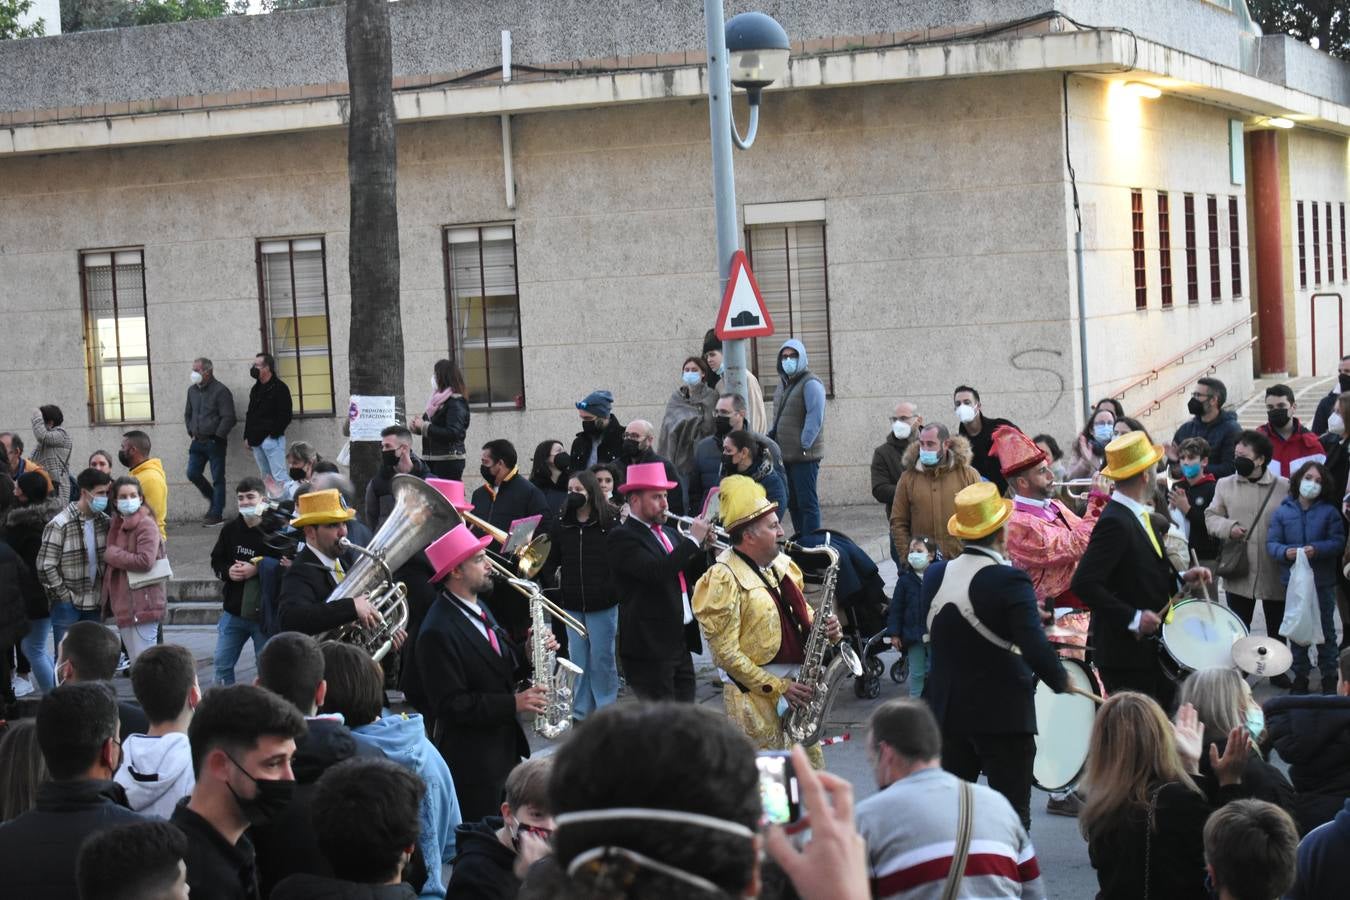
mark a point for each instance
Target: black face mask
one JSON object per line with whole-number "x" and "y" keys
{"x": 389, "y": 458}
{"x": 591, "y": 426}
{"x": 630, "y": 448}
{"x": 270, "y": 801}
{"x": 575, "y": 501}
{"x": 1345, "y": 382}
{"x": 1244, "y": 466}
{"x": 253, "y": 372}
{"x": 728, "y": 463}
{"x": 563, "y": 462}
{"x": 721, "y": 426}
{"x": 296, "y": 473}
{"x": 487, "y": 474}
{"x": 124, "y": 458}
{"x": 1196, "y": 407}
{"x": 1278, "y": 418}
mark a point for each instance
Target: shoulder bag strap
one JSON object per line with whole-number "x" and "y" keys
{"x": 1262, "y": 508}
{"x": 961, "y": 852}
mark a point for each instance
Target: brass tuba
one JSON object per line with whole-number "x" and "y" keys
{"x": 420, "y": 515}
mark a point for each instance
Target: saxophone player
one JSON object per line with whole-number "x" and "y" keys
{"x": 755, "y": 617}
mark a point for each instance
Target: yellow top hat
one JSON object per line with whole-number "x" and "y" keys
{"x": 742, "y": 501}
{"x": 980, "y": 511}
{"x": 321, "y": 508}
{"x": 1130, "y": 454}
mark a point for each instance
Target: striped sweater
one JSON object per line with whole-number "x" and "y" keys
{"x": 910, "y": 830}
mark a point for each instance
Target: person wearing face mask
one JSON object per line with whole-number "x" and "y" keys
{"x": 268, "y": 417}
{"x": 888, "y": 459}
{"x": 235, "y": 558}
{"x": 243, "y": 738}
{"x": 1327, "y": 405}
{"x": 1309, "y": 519}
{"x": 1243, "y": 506}
{"x": 689, "y": 415}
{"x": 77, "y": 731}
{"x": 149, "y": 471}
{"x": 89, "y": 652}
{"x": 988, "y": 645}
{"x": 639, "y": 440}
{"x": 133, "y": 545}
{"x": 799, "y": 429}
{"x": 728, "y": 415}
{"x": 156, "y": 767}
{"x": 906, "y": 618}
{"x": 495, "y": 852}
{"x": 445, "y": 422}
{"x": 743, "y": 455}
{"x": 1218, "y": 426}
{"x": 755, "y": 417}
{"x": 1292, "y": 445}
{"x": 70, "y": 558}
{"x": 1187, "y": 502}
{"x": 937, "y": 467}
{"x": 549, "y": 467}
{"x": 979, "y": 429}
{"x": 209, "y": 418}
{"x": 396, "y": 458}
{"x": 504, "y": 497}
{"x": 1088, "y": 454}
{"x": 600, "y": 439}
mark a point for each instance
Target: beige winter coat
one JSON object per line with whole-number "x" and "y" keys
{"x": 926, "y": 498}
{"x": 1236, "y": 501}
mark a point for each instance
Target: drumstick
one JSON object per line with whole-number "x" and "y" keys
{"x": 1074, "y": 689}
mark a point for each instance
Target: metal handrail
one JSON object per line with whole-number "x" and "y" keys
{"x": 1154, "y": 373}
{"x": 1210, "y": 369}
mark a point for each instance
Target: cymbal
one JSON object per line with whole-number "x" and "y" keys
{"x": 1261, "y": 655}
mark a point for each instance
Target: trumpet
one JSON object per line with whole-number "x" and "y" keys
{"x": 683, "y": 524}
{"x": 1077, "y": 488}
{"x": 527, "y": 561}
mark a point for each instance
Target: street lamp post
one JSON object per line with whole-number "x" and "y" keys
{"x": 758, "y": 47}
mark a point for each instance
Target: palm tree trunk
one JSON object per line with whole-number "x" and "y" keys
{"x": 375, "y": 344}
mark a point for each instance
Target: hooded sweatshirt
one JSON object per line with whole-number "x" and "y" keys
{"x": 485, "y": 868}
{"x": 155, "y": 487}
{"x": 403, "y": 738}
{"x": 1221, "y": 435}
{"x": 156, "y": 772}
{"x": 799, "y": 410}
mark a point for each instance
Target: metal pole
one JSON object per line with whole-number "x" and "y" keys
{"x": 1082, "y": 325}
{"x": 724, "y": 182}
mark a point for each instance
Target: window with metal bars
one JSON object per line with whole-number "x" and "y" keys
{"x": 1235, "y": 246}
{"x": 789, "y": 262}
{"x": 1137, "y": 245}
{"x": 116, "y": 336}
{"x": 484, "y": 313}
{"x": 1302, "y": 247}
{"x": 293, "y": 298}
{"x": 1164, "y": 250}
{"x": 1192, "y": 265}
{"x": 1215, "y": 276}
{"x": 1317, "y": 248}
{"x": 1331, "y": 249}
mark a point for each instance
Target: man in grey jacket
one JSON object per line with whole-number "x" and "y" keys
{"x": 209, "y": 418}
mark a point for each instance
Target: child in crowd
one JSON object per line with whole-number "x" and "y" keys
{"x": 907, "y": 620}
{"x": 495, "y": 852}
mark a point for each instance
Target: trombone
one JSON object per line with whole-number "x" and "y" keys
{"x": 531, "y": 592}
{"x": 683, "y": 524}
{"x": 527, "y": 561}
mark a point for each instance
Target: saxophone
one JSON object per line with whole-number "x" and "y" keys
{"x": 558, "y": 675}
{"x": 805, "y": 724}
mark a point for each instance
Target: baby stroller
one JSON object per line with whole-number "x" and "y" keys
{"x": 860, "y": 601}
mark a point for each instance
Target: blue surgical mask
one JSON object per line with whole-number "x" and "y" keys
{"x": 1103, "y": 433}
{"x": 128, "y": 505}
{"x": 918, "y": 560}
{"x": 98, "y": 504}
{"x": 250, "y": 512}
{"x": 1191, "y": 470}
{"x": 691, "y": 378}
{"x": 789, "y": 365}
{"x": 1309, "y": 490}
{"x": 1256, "y": 721}
{"x": 929, "y": 457}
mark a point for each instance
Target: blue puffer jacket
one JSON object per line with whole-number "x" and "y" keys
{"x": 1320, "y": 526}
{"x": 907, "y": 616}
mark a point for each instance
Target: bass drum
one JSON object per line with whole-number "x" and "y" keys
{"x": 1063, "y": 727}
{"x": 1200, "y": 635}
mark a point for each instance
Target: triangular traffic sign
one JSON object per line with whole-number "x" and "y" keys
{"x": 743, "y": 313}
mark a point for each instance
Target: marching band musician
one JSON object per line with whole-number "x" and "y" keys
{"x": 465, "y": 669}
{"x": 1125, "y": 577}
{"x": 756, "y": 619}
{"x": 319, "y": 568}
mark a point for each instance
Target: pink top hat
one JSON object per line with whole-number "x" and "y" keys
{"x": 452, "y": 548}
{"x": 647, "y": 477}
{"x": 452, "y": 491}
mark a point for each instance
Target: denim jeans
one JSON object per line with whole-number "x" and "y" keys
{"x": 35, "y": 646}
{"x": 231, "y": 633}
{"x": 599, "y": 682}
{"x": 270, "y": 456}
{"x": 199, "y": 454}
{"x": 65, "y": 615}
{"x": 802, "y": 500}
{"x": 1327, "y": 654}
{"x": 918, "y": 667}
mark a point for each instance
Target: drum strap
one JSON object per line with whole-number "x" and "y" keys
{"x": 965, "y": 822}
{"x": 955, "y": 591}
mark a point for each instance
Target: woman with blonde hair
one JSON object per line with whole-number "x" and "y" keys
{"x": 1224, "y": 705}
{"x": 1145, "y": 813}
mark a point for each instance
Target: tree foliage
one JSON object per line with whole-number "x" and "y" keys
{"x": 1328, "y": 21}
{"x": 92, "y": 15}
{"x": 10, "y": 10}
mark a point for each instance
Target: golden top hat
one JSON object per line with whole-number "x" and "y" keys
{"x": 321, "y": 508}
{"x": 980, "y": 511}
{"x": 742, "y": 501}
{"x": 1130, "y": 454}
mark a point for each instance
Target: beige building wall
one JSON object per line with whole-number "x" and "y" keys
{"x": 1317, "y": 171}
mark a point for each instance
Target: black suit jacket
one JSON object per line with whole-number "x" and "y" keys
{"x": 976, "y": 687}
{"x": 304, "y": 590}
{"x": 1120, "y": 573}
{"x": 651, "y": 614}
{"x": 467, "y": 692}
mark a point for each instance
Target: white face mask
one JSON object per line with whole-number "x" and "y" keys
{"x": 901, "y": 430}
{"x": 1336, "y": 424}
{"x": 195, "y": 377}
{"x": 434, "y": 386}
{"x": 965, "y": 413}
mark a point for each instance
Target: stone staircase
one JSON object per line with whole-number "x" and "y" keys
{"x": 1307, "y": 392}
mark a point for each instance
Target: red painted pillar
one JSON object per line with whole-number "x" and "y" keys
{"x": 1268, "y": 236}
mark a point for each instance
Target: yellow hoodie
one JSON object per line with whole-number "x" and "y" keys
{"x": 155, "y": 488}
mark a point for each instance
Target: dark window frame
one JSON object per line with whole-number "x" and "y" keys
{"x": 1165, "y": 249}
{"x": 1192, "y": 265}
{"x": 265, "y": 327}
{"x": 1317, "y": 246}
{"x": 1215, "y": 270}
{"x": 1344, "y": 268}
{"x": 1331, "y": 249}
{"x": 91, "y": 378}
{"x": 1137, "y": 248}
{"x": 456, "y": 352}
{"x": 1235, "y": 245}
{"x": 825, "y": 264}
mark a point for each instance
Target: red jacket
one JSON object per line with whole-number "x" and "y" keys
{"x": 1302, "y": 446}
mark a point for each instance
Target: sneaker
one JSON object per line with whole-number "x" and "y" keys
{"x": 209, "y": 521}
{"x": 123, "y": 663}
{"x": 1300, "y": 685}
{"x": 22, "y": 686}
{"x": 1069, "y": 806}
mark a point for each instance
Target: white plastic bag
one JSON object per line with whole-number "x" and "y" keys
{"x": 344, "y": 457}
{"x": 1302, "y": 616}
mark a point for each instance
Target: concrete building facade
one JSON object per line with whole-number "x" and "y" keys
{"x": 911, "y": 206}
